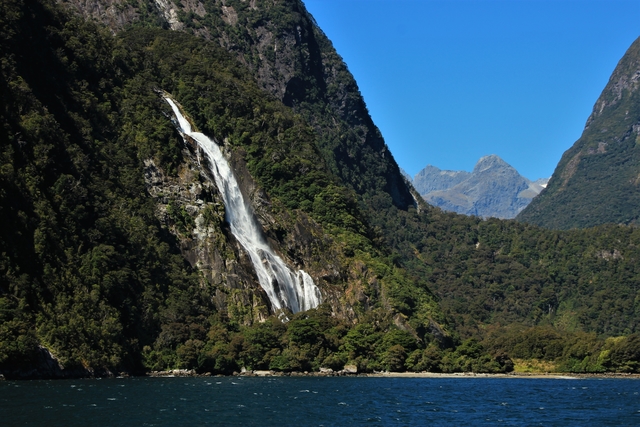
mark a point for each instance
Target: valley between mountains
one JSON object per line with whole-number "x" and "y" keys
{"x": 119, "y": 253}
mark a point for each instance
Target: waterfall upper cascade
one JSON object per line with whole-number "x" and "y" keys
{"x": 295, "y": 291}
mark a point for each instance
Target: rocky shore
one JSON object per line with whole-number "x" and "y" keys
{"x": 348, "y": 370}
{"x": 352, "y": 371}
{"x": 324, "y": 372}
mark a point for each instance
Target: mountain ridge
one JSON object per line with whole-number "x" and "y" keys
{"x": 492, "y": 189}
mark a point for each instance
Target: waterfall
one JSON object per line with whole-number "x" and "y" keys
{"x": 286, "y": 289}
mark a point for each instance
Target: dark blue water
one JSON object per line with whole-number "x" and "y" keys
{"x": 312, "y": 401}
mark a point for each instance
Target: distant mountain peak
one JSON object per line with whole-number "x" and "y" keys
{"x": 493, "y": 189}
{"x": 490, "y": 161}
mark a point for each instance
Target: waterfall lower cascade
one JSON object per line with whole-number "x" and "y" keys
{"x": 286, "y": 289}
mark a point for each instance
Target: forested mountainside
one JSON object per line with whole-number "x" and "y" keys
{"x": 119, "y": 255}
{"x": 597, "y": 179}
{"x": 290, "y": 57}
{"x": 492, "y": 189}
{"x": 117, "y": 252}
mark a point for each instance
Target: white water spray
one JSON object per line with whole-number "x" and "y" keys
{"x": 295, "y": 291}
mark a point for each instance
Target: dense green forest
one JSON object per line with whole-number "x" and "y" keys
{"x": 88, "y": 271}
{"x": 92, "y": 276}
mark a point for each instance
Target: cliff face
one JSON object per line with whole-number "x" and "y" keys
{"x": 117, "y": 253}
{"x": 189, "y": 204}
{"x": 492, "y": 189}
{"x": 292, "y": 59}
{"x": 597, "y": 179}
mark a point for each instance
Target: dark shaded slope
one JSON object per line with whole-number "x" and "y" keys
{"x": 291, "y": 58}
{"x": 94, "y": 268}
{"x": 596, "y": 181}
{"x": 80, "y": 242}
{"x": 298, "y": 64}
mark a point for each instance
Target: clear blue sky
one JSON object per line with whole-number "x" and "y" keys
{"x": 450, "y": 81}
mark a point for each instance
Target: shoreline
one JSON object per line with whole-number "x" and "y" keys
{"x": 187, "y": 373}
{"x": 433, "y": 375}
{"x": 514, "y": 375}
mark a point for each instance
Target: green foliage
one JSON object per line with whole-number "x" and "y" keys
{"x": 490, "y": 272}
{"x": 307, "y": 342}
{"x": 180, "y": 217}
{"x": 471, "y": 357}
{"x": 18, "y": 342}
{"x": 569, "y": 351}
{"x": 428, "y": 359}
{"x": 88, "y": 271}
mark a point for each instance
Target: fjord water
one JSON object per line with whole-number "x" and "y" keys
{"x": 296, "y": 291}
{"x": 313, "y": 401}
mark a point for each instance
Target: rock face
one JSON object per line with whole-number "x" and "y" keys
{"x": 289, "y": 57}
{"x": 432, "y": 179}
{"x": 492, "y": 189}
{"x": 597, "y": 179}
{"x": 190, "y": 206}
{"x": 296, "y": 64}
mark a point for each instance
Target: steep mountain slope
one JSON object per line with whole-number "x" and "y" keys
{"x": 292, "y": 59}
{"x": 596, "y": 181}
{"x": 119, "y": 254}
{"x": 492, "y": 189}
